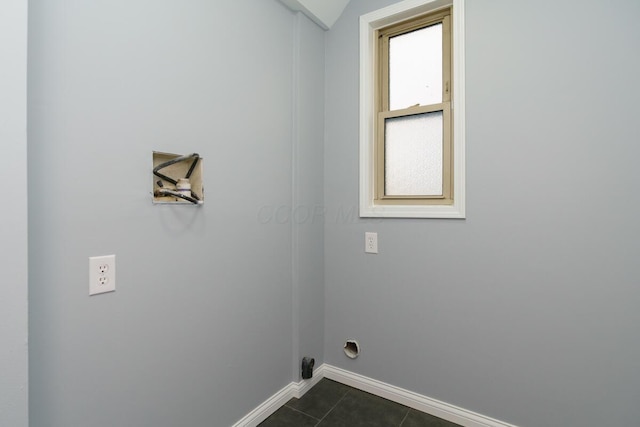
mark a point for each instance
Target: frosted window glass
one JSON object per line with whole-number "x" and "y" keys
{"x": 413, "y": 155}
{"x": 415, "y": 68}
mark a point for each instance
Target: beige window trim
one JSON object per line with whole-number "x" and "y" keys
{"x": 382, "y": 102}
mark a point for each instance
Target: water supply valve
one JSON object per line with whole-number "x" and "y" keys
{"x": 180, "y": 178}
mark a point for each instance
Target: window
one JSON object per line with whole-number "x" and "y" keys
{"x": 412, "y": 111}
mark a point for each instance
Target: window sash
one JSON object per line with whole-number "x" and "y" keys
{"x": 382, "y": 103}
{"x": 447, "y": 157}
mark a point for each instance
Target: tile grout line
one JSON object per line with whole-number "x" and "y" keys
{"x": 303, "y": 413}
{"x": 332, "y": 408}
{"x": 405, "y": 417}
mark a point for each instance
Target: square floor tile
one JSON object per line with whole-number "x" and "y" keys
{"x": 287, "y": 417}
{"x": 360, "y": 409}
{"x": 318, "y": 401}
{"x": 420, "y": 419}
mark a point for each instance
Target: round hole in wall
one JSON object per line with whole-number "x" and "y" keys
{"x": 351, "y": 349}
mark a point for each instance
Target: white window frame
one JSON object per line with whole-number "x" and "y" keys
{"x": 369, "y": 24}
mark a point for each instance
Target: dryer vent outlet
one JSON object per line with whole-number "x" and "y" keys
{"x": 307, "y": 367}
{"x": 352, "y": 349}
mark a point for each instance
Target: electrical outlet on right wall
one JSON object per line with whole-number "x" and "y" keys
{"x": 371, "y": 242}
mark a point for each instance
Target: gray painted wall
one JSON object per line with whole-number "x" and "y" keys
{"x": 524, "y": 312}
{"x": 527, "y": 311}
{"x": 13, "y": 215}
{"x": 307, "y": 215}
{"x": 200, "y": 330}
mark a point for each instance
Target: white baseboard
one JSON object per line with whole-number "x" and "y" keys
{"x": 275, "y": 402}
{"x": 262, "y": 412}
{"x": 303, "y": 386}
{"x": 408, "y": 398}
{"x": 413, "y": 400}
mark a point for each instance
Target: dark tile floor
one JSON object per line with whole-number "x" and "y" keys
{"x": 331, "y": 404}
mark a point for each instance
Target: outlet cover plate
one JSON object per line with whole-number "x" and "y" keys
{"x": 102, "y": 274}
{"x": 371, "y": 242}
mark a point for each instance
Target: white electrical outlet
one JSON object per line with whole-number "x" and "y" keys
{"x": 102, "y": 274}
{"x": 371, "y": 243}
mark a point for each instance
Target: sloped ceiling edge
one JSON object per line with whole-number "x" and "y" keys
{"x": 323, "y": 12}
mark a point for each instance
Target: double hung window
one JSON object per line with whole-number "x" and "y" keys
{"x": 413, "y": 134}
{"x": 409, "y": 153}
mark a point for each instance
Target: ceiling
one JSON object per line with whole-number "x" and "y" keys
{"x": 323, "y": 12}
